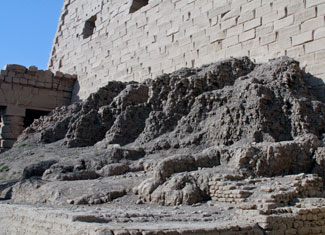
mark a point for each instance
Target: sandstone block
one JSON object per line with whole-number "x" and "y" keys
{"x": 15, "y": 67}
{"x": 259, "y": 52}
{"x": 219, "y": 10}
{"x": 251, "y": 5}
{"x": 4, "y": 72}
{"x": 235, "y": 51}
{"x": 32, "y": 68}
{"x": 15, "y": 111}
{"x": 282, "y": 12}
{"x": 245, "y": 36}
{"x": 315, "y": 45}
{"x": 302, "y": 38}
{"x": 252, "y": 24}
{"x": 320, "y": 55}
{"x": 246, "y": 16}
{"x": 296, "y": 52}
{"x": 316, "y": 68}
{"x": 234, "y": 12}
{"x": 228, "y": 42}
{"x": 229, "y": 23}
{"x": 311, "y": 3}
{"x": 267, "y": 39}
{"x": 236, "y": 30}
{"x": 279, "y": 4}
{"x": 319, "y": 33}
{"x": 287, "y": 21}
{"x": 321, "y": 9}
{"x": 313, "y": 24}
{"x": 295, "y": 7}
{"x": 217, "y": 36}
{"x": 269, "y": 18}
{"x": 263, "y": 10}
{"x": 305, "y": 15}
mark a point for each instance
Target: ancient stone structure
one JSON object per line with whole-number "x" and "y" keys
{"x": 228, "y": 148}
{"x": 280, "y": 205}
{"x": 233, "y": 147}
{"x": 26, "y": 94}
{"x": 126, "y": 40}
{"x": 103, "y": 40}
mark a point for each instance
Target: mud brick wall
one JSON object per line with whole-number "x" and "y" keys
{"x": 102, "y": 40}
{"x": 279, "y": 191}
{"x": 298, "y": 209}
{"x": 309, "y": 221}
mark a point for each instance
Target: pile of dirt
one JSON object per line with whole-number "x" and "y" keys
{"x": 170, "y": 135}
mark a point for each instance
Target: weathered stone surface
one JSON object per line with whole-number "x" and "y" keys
{"x": 37, "y": 169}
{"x": 319, "y": 158}
{"x": 141, "y": 112}
{"x": 26, "y": 94}
{"x": 113, "y": 169}
{"x": 138, "y": 47}
{"x": 233, "y": 136}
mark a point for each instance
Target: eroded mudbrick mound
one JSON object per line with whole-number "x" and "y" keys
{"x": 191, "y": 136}
{"x": 226, "y": 103}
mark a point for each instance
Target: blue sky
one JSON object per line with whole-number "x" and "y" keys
{"x": 27, "y": 29}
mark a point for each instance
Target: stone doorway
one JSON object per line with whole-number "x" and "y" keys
{"x": 32, "y": 114}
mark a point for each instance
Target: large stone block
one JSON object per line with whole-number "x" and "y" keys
{"x": 245, "y": 36}
{"x": 305, "y": 15}
{"x": 287, "y": 21}
{"x": 302, "y": 38}
{"x": 319, "y": 33}
{"x": 313, "y": 24}
{"x": 311, "y": 3}
{"x": 15, "y": 111}
{"x": 315, "y": 45}
{"x": 268, "y": 38}
{"x": 252, "y": 24}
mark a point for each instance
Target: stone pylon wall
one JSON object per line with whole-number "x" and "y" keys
{"x": 102, "y": 40}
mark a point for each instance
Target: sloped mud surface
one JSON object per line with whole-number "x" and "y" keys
{"x": 163, "y": 140}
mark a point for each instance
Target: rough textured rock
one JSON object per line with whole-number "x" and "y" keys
{"x": 82, "y": 124}
{"x": 113, "y": 160}
{"x": 37, "y": 169}
{"x": 273, "y": 159}
{"x": 173, "y": 133}
{"x": 204, "y": 107}
{"x": 319, "y": 158}
{"x": 126, "y": 112}
{"x": 113, "y": 169}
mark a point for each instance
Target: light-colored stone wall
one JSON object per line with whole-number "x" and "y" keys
{"x": 166, "y": 35}
{"x": 24, "y": 88}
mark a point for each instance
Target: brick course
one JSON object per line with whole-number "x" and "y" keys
{"x": 169, "y": 34}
